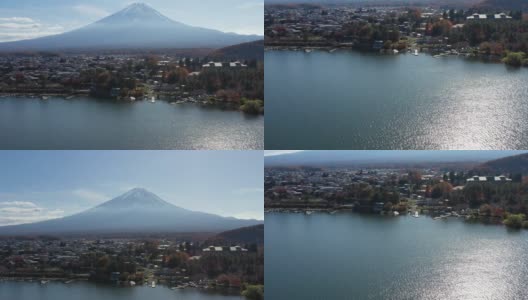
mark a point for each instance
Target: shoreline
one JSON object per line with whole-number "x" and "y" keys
{"x": 190, "y": 100}
{"x": 409, "y": 51}
{"x": 162, "y": 283}
{"x": 467, "y": 218}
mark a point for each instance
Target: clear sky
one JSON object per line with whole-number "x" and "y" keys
{"x": 23, "y": 19}
{"x": 39, "y": 185}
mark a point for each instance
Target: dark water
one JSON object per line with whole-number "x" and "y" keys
{"x": 351, "y": 100}
{"x": 85, "y": 123}
{"x": 350, "y": 256}
{"x": 89, "y": 291}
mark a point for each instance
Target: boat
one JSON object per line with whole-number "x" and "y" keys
{"x": 395, "y": 51}
{"x": 68, "y": 281}
{"x": 416, "y": 214}
{"x": 45, "y": 98}
{"x": 415, "y": 52}
{"x": 153, "y": 100}
{"x": 332, "y": 51}
{"x": 132, "y": 98}
{"x": 308, "y": 50}
{"x": 44, "y": 281}
{"x": 69, "y": 97}
{"x": 308, "y": 212}
{"x": 153, "y": 285}
{"x": 396, "y": 213}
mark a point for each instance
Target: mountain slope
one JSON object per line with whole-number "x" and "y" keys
{"x": 512, "y": 165}
{"x": 245, "y": 51}
{"x": 136, "y": 26}
{"x": 135, "y": 211}
{"x": 505, "y": 4}
{"x": 245, "y": 235}
{"x": 362, "y": 157}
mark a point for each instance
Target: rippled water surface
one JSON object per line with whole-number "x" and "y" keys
{"x": 91, "y": 291}
{"x": 350, "y": 100}
{"x": 85, "y": 123}
{"x": 351, "y": 256}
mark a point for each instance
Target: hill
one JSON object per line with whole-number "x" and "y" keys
{"x": 505, "y": 4}
{"x": 508, "y": 165}
{"x": 136, "y": 26}
{"x": 381, "y": 158}
{"x": 137, "y": 211}
{"x": 245, "y": 235}
{"x": 246, "y": 51}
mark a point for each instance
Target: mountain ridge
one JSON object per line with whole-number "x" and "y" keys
{"x": 136, "y": 26}
{"x": 249, "y": 51}
{"x": 507, "y": 165}
{"x": 362, "y": 157}
{"x": 137, "y": 210}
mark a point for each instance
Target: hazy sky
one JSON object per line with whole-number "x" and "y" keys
{"x": 38, "y": 185}
{"x": 279, "y": 152}
{"x": 23, "y": 19}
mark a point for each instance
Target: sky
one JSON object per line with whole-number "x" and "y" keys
{"x": 41, "y": 185}
{"x": 25, "y": 19}
{"x": 279, "y": 152}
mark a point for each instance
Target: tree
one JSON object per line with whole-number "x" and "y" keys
{"x": 254, "y": 107}
{"x": 178, "y": 75}
{"x": 514, "y": 221}
{"x": 177, "y": 259}
{"x": 415, "y": 177}
{"x": 442, "y": 189}
{"x": 485, "y": 210}
{"x": 514, "y": 59}
{"x": 254, "y": 292}
{"x": 441, "y": 28}
{"x": 415, "y": 14}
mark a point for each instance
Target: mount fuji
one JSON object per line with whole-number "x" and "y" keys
{"x": 137, "y": 211}
{"x": 138, "y": 26}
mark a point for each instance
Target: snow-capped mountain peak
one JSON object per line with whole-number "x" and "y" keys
{"x": 137, "y": 12}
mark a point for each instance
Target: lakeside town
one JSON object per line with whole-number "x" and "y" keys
{"x": 126, "y": 262}
{"x": 484, "y": 33}
{"x": 178, "y": 79}
{"x": 437, "y": 192}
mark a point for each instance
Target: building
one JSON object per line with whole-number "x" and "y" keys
{"x": 232, "y": 249}
{"x": 501, "y": 16}
{"x": 213, "y": 64}
{"x": 501, "y": 178}
{"x": 477, "y": 17}
{"x": 237, "y": 64}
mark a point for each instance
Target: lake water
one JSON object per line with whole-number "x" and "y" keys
{"x": 351, "y": 256}
{"x": 352, "y": 100}
{"x": 84, "y": 123}
{"x": 90, "y": 291}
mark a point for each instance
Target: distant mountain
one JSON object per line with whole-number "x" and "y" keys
{"x": 245, "y": 235}
{"x": 508, "y": 165}
{"x": 435, "y": 3}
{"x": 135, "y": 211}
{"x": 505, "y": 4}
{"x": 245, "y": 51}
{"x": 136, "y": 26}
{"x": 364, "y": 157}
